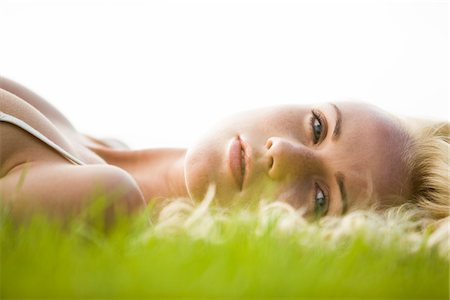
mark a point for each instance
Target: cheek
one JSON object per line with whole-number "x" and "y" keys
{"x": 297, "y": 193}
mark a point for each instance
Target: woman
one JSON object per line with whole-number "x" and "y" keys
{"x": 326, "y": 159}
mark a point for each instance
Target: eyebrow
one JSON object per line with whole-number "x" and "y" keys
{"x": 337, "y": 127}
{"x": 340, "y": 181}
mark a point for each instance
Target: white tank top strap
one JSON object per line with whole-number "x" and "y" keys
{"x": 4, "y": 117}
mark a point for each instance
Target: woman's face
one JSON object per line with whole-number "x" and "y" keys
{"x": 326, "y": 159}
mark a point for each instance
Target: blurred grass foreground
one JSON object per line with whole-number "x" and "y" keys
{"x": 203, "y": 251}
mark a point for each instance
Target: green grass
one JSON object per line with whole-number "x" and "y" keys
{"x": 237, "y": 256}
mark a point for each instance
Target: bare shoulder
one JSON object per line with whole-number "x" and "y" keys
{"x": 62, "y": 189}
{"x": 34, "y": 174}
{"x": 18, "y": 146}
{"x": 36, "y": 101}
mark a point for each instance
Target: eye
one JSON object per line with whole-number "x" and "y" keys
{"x": 317, "y": 124}
{"x": 320, "y": 201}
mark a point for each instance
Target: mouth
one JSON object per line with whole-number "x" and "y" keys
{"x": 238, "y": 161}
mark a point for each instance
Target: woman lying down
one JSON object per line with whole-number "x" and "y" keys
{"x": 320, "y": 160}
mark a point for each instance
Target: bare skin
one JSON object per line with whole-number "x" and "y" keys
{"x": 327, "y": 159}
{"x": 34, "y": 175}
{"x": 354, "y": 159}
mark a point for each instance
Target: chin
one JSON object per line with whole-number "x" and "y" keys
{"x": 206, "y": 163}
{"x": 204, "y": 166}
{"x": 197, "y": 175}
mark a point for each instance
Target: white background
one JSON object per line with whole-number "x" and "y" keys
{"x": 158, "y": 73}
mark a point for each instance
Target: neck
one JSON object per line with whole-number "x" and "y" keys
{"x": 158, "y": 172}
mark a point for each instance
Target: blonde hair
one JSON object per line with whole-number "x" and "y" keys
{"x": 212, "y": 223}
{"x": 427, "y": 159}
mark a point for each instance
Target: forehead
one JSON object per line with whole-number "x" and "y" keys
{"x": 372, "y": 147}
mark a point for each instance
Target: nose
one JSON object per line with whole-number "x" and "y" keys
{"x": 290, "y": 158}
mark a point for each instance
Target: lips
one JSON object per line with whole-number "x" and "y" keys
{"x": 237, "y": 161}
